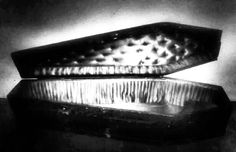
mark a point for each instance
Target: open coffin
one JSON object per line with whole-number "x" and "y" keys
{"x": 112, "y": 84}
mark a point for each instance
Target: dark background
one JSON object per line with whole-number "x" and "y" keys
{"x": 29, "y": 23}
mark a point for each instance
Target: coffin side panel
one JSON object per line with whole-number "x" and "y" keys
{"x": 193, "y": 121}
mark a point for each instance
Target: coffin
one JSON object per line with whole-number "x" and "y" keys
{"x": 113, "y": 85}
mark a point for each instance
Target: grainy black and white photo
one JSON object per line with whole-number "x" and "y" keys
{"x": 117, "y": 75}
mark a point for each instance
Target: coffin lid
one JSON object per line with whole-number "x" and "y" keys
{"x": 154, "y": 49}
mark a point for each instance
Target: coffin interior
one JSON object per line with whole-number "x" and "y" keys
{"x": 149, "y": 95}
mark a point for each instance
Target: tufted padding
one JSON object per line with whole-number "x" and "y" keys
{"x": 147, "y": 50}
{"x": 159, "y": 49}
